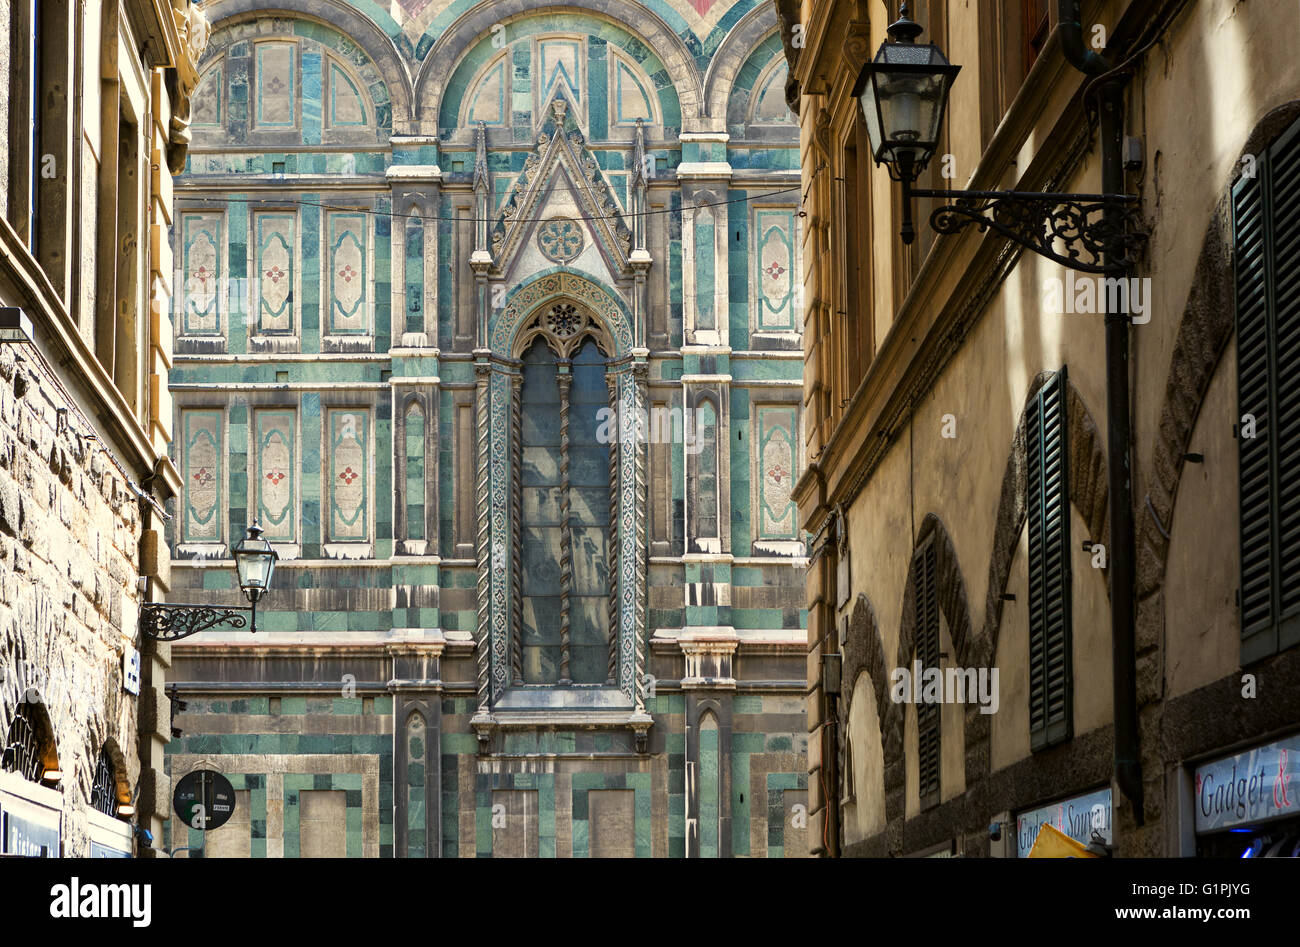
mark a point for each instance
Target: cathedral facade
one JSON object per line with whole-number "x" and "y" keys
{"x": 488, "y": 314}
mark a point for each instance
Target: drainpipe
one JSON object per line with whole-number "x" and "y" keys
{"x": 1119, "y": 472}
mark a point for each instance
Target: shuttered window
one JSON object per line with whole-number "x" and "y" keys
{"x": 925, "y": 585}
{"x": 1048, "y": 507}
{"x": 1266, "y": 233}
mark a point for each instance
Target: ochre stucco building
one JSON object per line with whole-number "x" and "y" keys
{"x": 956, "y": 433}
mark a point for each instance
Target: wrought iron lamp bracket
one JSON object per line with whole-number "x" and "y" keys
{"x": 171, "y": 621}
{"x": 1093, "y": 233}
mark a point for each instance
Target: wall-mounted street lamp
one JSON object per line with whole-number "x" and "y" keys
{"x": 904, "y": 94}
{"x": 254, "y": 563}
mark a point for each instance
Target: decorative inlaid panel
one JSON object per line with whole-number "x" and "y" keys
{"x": 769, "y": 103}
{"x": 560, "y": 62}
{"x": 348, "y": 433}
{"x": 706, "y": 467}
{"x": 201, "y": 441}
{"x": 487, "y": 103}
{"x": 348, "y": 275}
{"x": 778, "y": 429}
{"x": 346, "y": 106}
{"x": 417, "y": 806}
{"x": 201, "y": 265}
{"x": 276, "y": 78}
{"x": 275, "y": 246}
{"x": 415, "y": 472}
{"x": 631, "y": 101}
{"x": 414, "y": 273}
{"x": 705, "y": 317}
{"x": 775, "y": 271}
{"x": 206, "y": 102}
{"x": 276, "y": 474}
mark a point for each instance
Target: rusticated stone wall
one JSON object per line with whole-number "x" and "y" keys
{"x": 69, "y": 534}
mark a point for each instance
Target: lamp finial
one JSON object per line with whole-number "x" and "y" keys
{"x": 905, "y": 29}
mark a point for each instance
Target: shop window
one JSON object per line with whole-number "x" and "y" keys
{"x": 1048, "y": 516}
{"x": 925, "y": 588}
{"x": 1266, "y": 237}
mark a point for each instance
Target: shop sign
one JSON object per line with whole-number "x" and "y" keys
{"x": 1254, "y": 786}
{"x": 131, "y": 671}
{"x": 1078, "y": 818}
{"x": 106, "y": 851}
{"x": 28, "y": 830}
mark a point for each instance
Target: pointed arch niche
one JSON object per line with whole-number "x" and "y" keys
{"x": 561, "y": 504}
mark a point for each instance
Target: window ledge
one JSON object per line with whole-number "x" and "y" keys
{"x": 349, "y": 551}
{"x": 268, "y": 343}
{"x": 504, "y": 718}
{"x": 787, "y": 548}
{"x": 204, "y": 551}
{"x": 545, "y": 699}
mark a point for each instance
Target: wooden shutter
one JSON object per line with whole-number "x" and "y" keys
{"x": 928, "y": 716}
{"x": 1285, "y": 198}
{"x": 1266, "y": 235}
{"x": 1048, "y": 507}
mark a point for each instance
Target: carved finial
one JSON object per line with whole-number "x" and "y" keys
{"x": 558, "y": 108}
{"x": 639, "y": 170}
{"x": 480, "y": 159}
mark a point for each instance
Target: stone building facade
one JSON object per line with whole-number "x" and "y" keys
{"x": 956, "y": 393}
{"x": 93, "y": 128}
{"x": 488, "y": 314}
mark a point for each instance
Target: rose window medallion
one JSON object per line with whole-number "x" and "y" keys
{"x": 560, "y": 239}
{"x": 563, "y": 320}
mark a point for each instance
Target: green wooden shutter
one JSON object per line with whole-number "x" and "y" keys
{"x": 1048, "y": 509}
{"x": 1266, "y": 235}
{"x": 928, "y": 716}
{"x": 1284, "y": 176}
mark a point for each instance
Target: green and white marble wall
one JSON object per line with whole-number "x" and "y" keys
{"x": 383, "y": 207}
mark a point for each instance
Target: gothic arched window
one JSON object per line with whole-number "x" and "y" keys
{"x": 564, "y": 517}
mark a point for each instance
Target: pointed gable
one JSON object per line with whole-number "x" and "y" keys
{"x": 562, "y": 197}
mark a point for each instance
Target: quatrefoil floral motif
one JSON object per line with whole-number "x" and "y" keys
{"x": 560, "y": 239}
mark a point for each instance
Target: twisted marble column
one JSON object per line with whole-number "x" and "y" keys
{"x": 564, "y": 379}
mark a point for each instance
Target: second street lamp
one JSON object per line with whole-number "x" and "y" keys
{"x": 903, "y": 93}
{"x": 254, "y": 564}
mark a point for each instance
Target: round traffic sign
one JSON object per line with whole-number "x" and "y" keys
{"x": 204, "y": 799}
